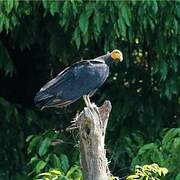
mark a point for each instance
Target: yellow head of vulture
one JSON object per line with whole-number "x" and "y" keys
{"x": 117, "y": 55}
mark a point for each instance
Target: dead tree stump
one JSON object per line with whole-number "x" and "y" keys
{"x": 91, "y": 123}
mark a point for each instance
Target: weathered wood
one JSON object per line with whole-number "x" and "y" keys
{"x": 91, "y": 123}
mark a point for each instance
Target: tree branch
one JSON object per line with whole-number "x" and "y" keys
{"x": 92, "y": 123}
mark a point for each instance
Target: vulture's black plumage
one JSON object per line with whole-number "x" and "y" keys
{"x": 80, "y": 79}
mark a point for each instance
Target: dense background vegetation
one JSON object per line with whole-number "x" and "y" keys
{"x": 39, "y": 39}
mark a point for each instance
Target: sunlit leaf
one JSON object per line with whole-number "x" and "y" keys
{"x": 56, "y": 172}
{"x": 132, "y": 177}
{"x": 45, "y": 174}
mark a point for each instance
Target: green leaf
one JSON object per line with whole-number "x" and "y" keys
{"x": 177, "y": 177}
{"x": 126, "y": 14}
{"x": 76, "y": 37}
{"x": 72, "y": 170}
{"x": 83, "y": 22}
{"x": 164, "y": 171}
{"x": 6, "y": 24}
{"x": 98, "y": 22}
{"x": 132, "y": 177}
{"x": 157, "y": 156}
{"x": 64, "y": 162}
{"x": 89, "y": 8}
{"x": 2, "y": 19}
{"x": 44, "y": 146}
{"x": 55, "y": 172}
{"x": 33, "y": 144}
{"x": 85, "y": 38}
{"x": 147, "y": 147}
{"x": 29, "y": 138}
{"x": 8, "y": 5}
{"x": 33, "y": 160}
{"x": 45, "y": 4}
{"x": 169, "y": 136}
{"x": 154, "y": 6}
{"x": 16, "y": 4}
{"x": 14, "y": 20}
{"x": 56, "y": 161}
{"x": 106, "y": 46}
{"x": 163, "y": 69}
{"x": 53, "y": 7}
{"x": 174, "y": 64}
{"x": 40, "y": 165}
{"x": 176, "y": 143}
{"x": 6, "y": 62}
{"x": 74, "y": 6}
{"x": 122, "y": 27}
{"x": 176, "y": 26}
{"x": 44, "y": 174}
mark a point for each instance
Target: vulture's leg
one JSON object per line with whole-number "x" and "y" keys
{"x": 87, "y": 100}
{"x": 90, "y": 105}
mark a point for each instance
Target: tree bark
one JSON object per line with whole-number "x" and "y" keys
{"x": 92, "y": 123}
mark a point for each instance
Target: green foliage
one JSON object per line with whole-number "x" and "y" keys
{"x": 6, "y": 64}
{"x": 13, "y": 119}
{"x": 46, "y": 152}
{"x": 40, "y": 38}
{"x": 148, "y": 172}
{"x": 165, "y": 152}
{"x": 73, "y": 173}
